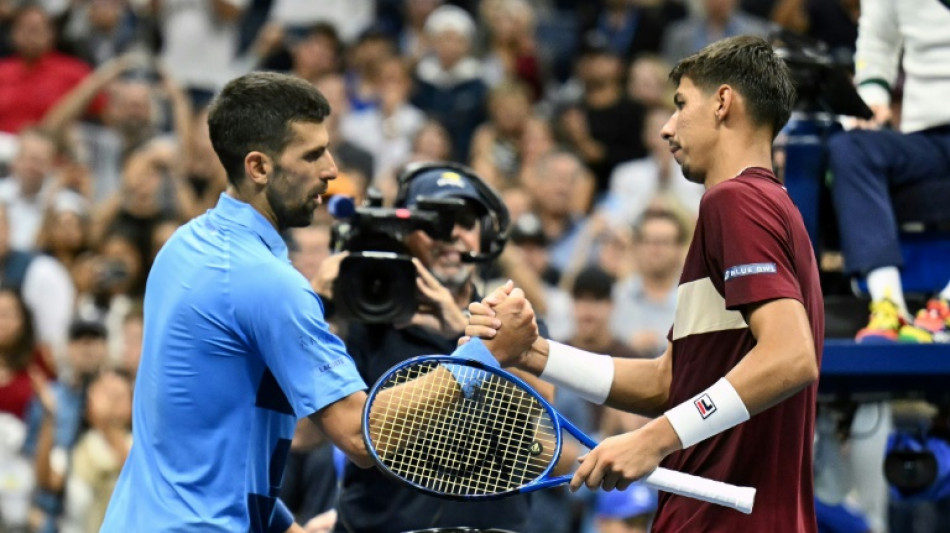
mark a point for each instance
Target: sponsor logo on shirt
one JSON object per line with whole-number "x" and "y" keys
{"x": 333, "y": 364}
{"x": 705, "y": 406}
{"x": 750, "y": 269}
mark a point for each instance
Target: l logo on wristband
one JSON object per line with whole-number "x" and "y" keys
{"x": 705, "y": 406}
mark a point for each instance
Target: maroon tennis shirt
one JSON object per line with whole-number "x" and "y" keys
{"x": 750, "y": 246}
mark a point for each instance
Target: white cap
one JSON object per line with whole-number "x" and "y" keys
{"x": 450, "y": 18}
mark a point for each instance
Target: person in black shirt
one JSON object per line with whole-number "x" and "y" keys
{"x": 603, "y": 127}
{"x": 368, "y": 500}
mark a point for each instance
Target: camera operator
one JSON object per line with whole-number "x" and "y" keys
{"x": 445, "y": 271}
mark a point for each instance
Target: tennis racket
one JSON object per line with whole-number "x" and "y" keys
{"x": 476, "y": 432}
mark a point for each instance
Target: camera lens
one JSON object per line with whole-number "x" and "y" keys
{"x": 376, "y": 287}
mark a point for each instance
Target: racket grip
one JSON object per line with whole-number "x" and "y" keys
{"x": 700, "y": 488}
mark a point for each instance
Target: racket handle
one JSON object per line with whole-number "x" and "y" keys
{"x": 708, "y": 490}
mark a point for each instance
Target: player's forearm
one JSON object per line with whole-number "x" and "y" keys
{"x": 783, "y": 361}
{"x": 638, "y": 385}
{"x": 767, "y": 376}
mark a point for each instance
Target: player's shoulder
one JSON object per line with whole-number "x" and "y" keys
{"x": 745, "y": 192}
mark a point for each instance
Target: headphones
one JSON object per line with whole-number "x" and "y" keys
{"x": 495, "y": 224}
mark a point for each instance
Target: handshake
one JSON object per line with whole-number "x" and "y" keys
{"x": 506, "y": 323}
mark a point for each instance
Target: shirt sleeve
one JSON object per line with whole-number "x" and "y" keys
{"x": 282, "y": 319}
{"x": 878, "y": 50}
{"x": 748, "y": 246}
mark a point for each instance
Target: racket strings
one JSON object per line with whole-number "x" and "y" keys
{"x": 495, "y": 440}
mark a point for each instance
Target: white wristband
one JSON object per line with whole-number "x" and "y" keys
{"x": 709, "y": 413}
{"x": 588, "y": 374}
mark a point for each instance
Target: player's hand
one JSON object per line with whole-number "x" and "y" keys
{"x": 517, "y": 332}
{"x": 481, "y": 321}
{"x": 620, "y": 460}
{"x": 437, "y": 309}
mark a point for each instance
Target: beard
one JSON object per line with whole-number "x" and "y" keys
{"x": 456, "y": 280}
{"x": 691, "y": 175}
{"x": 289, "y": 215}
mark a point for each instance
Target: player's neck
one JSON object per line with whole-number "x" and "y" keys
{"x": 733, "y": 157}
{"x": 257, "y": 201}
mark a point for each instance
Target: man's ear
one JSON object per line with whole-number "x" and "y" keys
{"x": 258, "y": 167}
{"x": 724, "y": 98}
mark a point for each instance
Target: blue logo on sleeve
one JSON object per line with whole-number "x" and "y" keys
{"x": 750, "y": 269}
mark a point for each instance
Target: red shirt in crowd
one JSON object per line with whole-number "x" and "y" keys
{"x": 750, "y": 246}
{"x": 16, "y": 392}
{"x": 29, "y": 90}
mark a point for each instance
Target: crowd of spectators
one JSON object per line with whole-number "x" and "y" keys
{"x": 104, "y": 152}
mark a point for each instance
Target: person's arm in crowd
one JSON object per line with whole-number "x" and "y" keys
{"x": 104, "y": 214}
{"x": 877, "y": 58}
{"x": 49, "y": 476}
{"x": 182, "y": 112}
{"x": 481, "y": 159}
{"x": 167, "y": 155}
{"x": 593, "y": 230}
{"x": 71, "y": 106}
{"x": 577, "y": 129}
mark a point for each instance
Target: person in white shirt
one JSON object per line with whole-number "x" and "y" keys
{"x": 200, "y": 43}
{"x": 31, "y": 188}
{"x": 46, "y": 286}
{"x": 386, "y": 131}
{"x": 871, "y": 161}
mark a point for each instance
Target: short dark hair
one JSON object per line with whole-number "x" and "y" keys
{"x": 592, "y": 283}
{"x": 255, "y": 112}
{"x": 749, "y": 65}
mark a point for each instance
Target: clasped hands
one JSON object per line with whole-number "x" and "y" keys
{"x": 506, "y": 324}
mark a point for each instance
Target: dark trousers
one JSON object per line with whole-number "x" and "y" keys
{"x": 866, "y": 166}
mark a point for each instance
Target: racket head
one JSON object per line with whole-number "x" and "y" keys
{"x": 474, "y": 448}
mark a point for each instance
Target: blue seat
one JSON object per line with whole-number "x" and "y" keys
{"x": 922, "y": 209}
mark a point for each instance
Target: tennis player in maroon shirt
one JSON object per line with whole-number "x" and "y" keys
{"x": 734, "y": 393}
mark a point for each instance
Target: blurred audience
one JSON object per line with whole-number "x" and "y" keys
{"x": 645, "y": 301}
{"x": 716, "y": 20}
{"x": 56, "y": 418}
{"x": 635, "y": 184}
{"x": 449, "y": 84}
{"x": 46, "y": 288}
{"x": 32, "y": 187}
{"x": 512, "y": 53}
{"x": 18, "y": 351}
{"x": 36, "y": 76}
{"x": 497, "y": 144}
{"x": 130, "y": 119}
{"x": 598, "y": 126}
{"x": 387, "y": 129}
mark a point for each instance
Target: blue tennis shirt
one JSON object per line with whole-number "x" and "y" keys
{"x": 235, "y": 350}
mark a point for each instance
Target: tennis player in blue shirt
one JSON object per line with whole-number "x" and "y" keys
{"x": 235, "y": 347}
